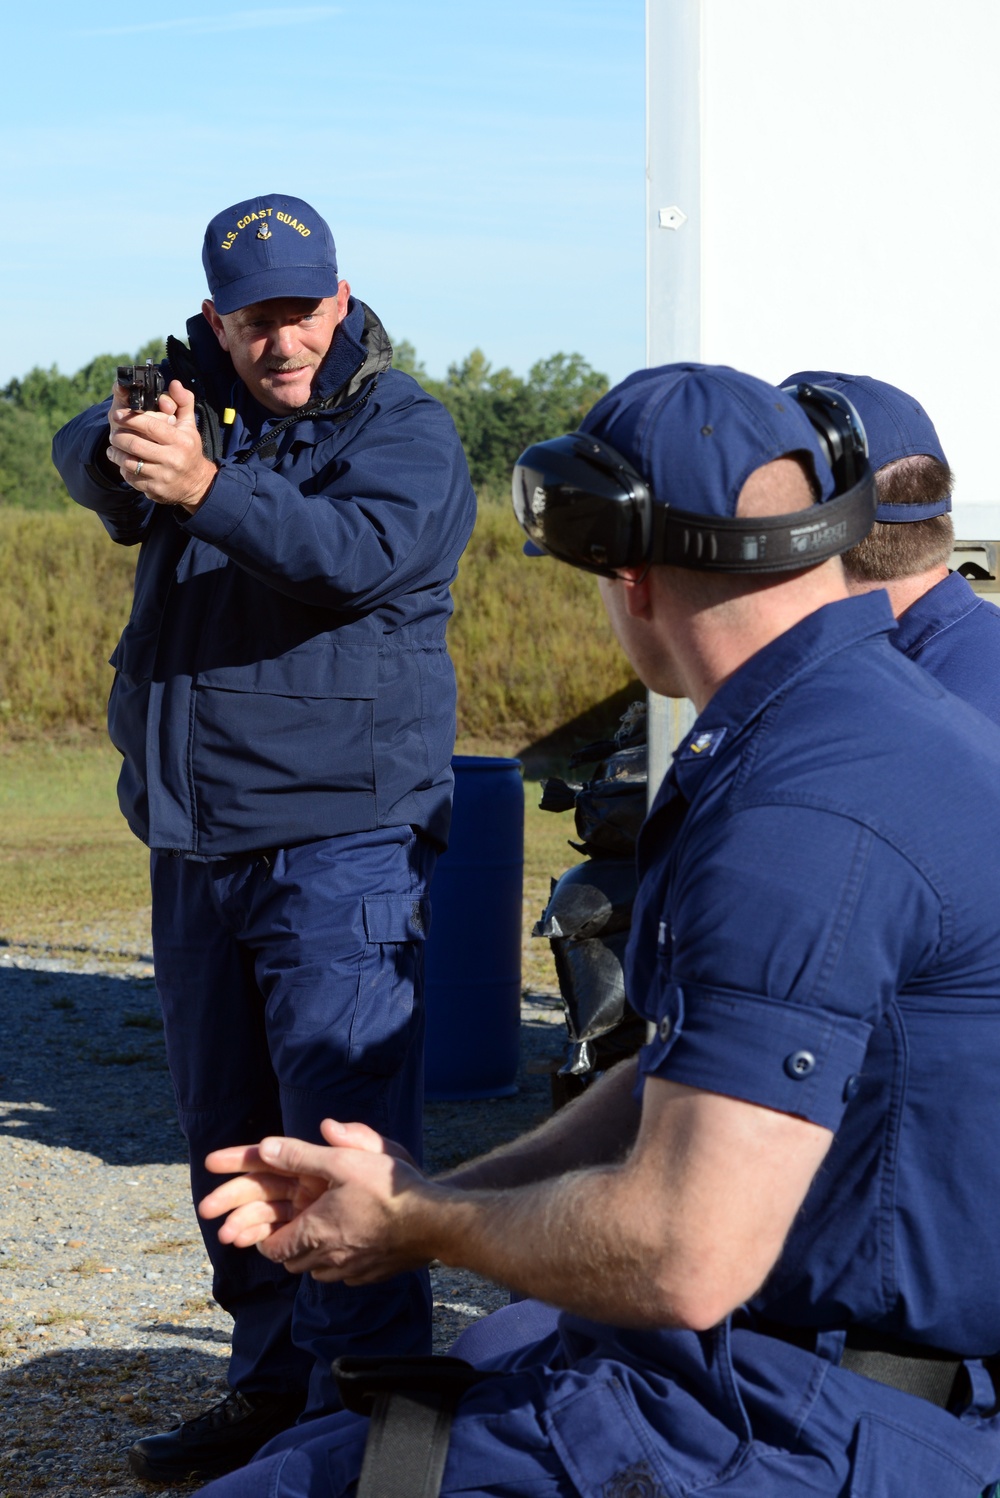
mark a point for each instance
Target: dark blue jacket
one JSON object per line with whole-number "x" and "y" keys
{"x": 283, "y": 676}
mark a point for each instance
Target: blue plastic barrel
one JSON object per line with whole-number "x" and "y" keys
{"x": 473, "y": 952}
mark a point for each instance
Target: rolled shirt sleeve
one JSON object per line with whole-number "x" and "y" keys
{"x": 781, "y": 1055}
{"x": 782, "y": 934}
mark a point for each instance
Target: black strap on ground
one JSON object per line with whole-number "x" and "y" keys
{"x": 411, "y": 1402}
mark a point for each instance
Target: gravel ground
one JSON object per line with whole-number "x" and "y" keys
{"x": 107, "y": 1326}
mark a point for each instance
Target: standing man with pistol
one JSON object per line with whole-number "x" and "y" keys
{"x": 285, "y": 709}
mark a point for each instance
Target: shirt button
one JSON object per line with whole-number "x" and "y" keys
{"x": 799, "y": 1064}
{"x": 852, "y": 1087}
{"x": 664, "y": 1028}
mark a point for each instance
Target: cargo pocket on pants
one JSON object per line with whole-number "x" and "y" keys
{"x": 892, "y": 1461}
{"x": 391, "y": 981}
{"x": 602, "y": 1443}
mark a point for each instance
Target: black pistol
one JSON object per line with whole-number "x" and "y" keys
{"x": 144, "y": 383}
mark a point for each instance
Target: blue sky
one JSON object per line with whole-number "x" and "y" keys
{"x": 481, "y": 166}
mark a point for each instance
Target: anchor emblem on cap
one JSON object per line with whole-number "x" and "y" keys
{"x": 264, "y": 232}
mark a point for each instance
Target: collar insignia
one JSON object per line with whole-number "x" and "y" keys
{"x": 703, "y": 745}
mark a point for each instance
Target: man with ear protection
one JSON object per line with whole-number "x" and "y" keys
{"x": 943, "y": 624}
{"x": 761, "y": 1257}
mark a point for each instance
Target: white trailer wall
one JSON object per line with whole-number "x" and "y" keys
{"x": 837, "y": 168}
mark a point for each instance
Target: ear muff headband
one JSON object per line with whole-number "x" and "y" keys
{"x": 582, "y": 502}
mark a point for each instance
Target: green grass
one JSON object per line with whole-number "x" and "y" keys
{"x": 546, "y": 854}
{"x": 73, "y": 876}
{"x": 71, "y": 873}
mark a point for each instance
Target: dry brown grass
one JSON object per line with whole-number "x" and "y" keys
{"x": 65, "y": 597}
{"x": 530, "y": 642}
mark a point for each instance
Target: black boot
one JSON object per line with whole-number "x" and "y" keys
{"x": 223, "y": 1438}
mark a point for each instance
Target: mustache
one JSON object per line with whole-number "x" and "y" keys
{"x": 283, "y": 366}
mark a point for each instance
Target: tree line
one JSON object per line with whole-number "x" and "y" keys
{"x": 497, "y": 413}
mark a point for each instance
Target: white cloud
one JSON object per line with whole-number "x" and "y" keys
{"x": 240, "y": 20}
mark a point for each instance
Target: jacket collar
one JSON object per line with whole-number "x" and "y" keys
{"x": 795, "y": 654}
{"x": 947, "y": 602}
{"x": 360, "y": 351}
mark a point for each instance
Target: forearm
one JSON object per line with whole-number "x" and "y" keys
{"x": 684, "y": 1229}
{"x": 598, "y": 1128}
{"x": 582, "y": 1242}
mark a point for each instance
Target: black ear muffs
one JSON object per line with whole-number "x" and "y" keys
{"x": 581, "y": 501}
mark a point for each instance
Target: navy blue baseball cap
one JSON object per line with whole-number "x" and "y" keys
{"x": 272, "y": 246}
{"x": 696, "y": 432}
{"x": 896, "y": 425}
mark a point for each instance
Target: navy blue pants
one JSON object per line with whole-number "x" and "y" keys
{"x": 292, "y": 990}
{"x": 660, "y": 1415}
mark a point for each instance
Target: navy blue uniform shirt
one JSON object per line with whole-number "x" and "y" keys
{"x": 955, "y": 634}
{"x": 816, "y": 932}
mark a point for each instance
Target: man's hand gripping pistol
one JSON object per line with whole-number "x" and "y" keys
{"x": 144, "y": 383}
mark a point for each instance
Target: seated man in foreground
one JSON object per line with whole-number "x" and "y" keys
{"x": 769, "y": 1236}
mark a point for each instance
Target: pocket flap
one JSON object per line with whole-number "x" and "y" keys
{"x": 134, "y": 654}
{"x": 317, "y": 667}
{"x": 392, "y": 918}
{"x": 600, "y": 1441}
{"x": 898, "y": 1461}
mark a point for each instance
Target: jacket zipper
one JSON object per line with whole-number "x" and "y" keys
{"x": 289, "y": 421}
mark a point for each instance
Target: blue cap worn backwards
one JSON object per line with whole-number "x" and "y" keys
{"x": 696, "y": 432}
{"x": 896, "y": 425}
{"x": 656, "y": 469}
{"x": 271, "y": 246}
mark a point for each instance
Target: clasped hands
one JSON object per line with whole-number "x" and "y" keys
{"x": 159, "y": 453}
{"x": 347, "y": 1211}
